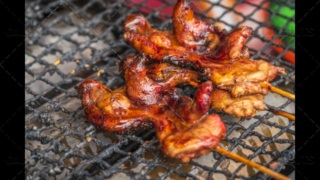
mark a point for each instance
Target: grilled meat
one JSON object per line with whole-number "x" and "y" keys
{"x": 197, "y": 35}
{"x": 224, "y": 47}
{"x": 183, "y": 126}
{"x": 169, "y": 76}
{"x": 241, "y": 77}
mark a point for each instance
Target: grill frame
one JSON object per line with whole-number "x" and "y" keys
{"x": 41, "y": 106}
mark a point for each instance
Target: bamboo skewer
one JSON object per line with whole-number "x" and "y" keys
{"x": 284, "y": 114}
{"x": 252, "y": 164}
{"x": 281, "y": 113}
{"x": 277, "y": 90}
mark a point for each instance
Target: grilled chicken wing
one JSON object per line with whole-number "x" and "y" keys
{"x": 190, "y": 142}
{"x": 183, "y": 126}
{"x": 169, "y": 76}
{"x": 197, "y": 35}
{"x": 154, "y": 43}
{"x": 110, "y": 110}
{"x": 164, "y": 44}
{"x": 241, "y": 77}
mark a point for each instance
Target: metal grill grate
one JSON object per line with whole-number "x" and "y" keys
{"x": 69, "y": 41}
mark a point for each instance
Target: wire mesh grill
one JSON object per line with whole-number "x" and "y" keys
{"x": 69, "y": 41}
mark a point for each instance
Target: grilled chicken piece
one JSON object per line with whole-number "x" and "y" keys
{"x": 164, "y": 44}
{"x": 169, "y": 76}
{"x": 183, "y": 126}
{"x": 110, "y": 110}
{"x": 190, "y": 142}
{"x": 241, "y": 77}
{"x": 154, "y": 43}
{"x": 242, "y": 107}
{"x": 197, "y": 35}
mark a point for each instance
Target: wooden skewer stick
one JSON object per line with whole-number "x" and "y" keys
{"x": 277, "y": 90}
{"x": 252, "y": 164}
{"x": 281, "y": 113}
{"x": 284, "y": 114}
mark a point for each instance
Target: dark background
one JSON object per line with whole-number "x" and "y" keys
{"x": 12, "y": 89}
{"x": 307, "y": 87}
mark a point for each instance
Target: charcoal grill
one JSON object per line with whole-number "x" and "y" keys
{"x": 69, "y": 41}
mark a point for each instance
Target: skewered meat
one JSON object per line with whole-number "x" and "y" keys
{"x": 169, "y": 76}
{"x": 164, "y": 44}
{"x": 242, "y": 107}
{"x": 189, "y": 142}
{"x": 197, "y": 35}
{"x": 241, "y": 77}
{"x": 166, "y": 74}
{"x": 154, "y": 43}
{"x": 183, "y": 126}
{"x": 110, "y": 110}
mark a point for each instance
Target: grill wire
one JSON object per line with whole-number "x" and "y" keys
{"x": 87, "y": 38}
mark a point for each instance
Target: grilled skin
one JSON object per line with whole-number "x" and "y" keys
{"x": 183, "y": 126}
{"x": 194, "y": 34}
{"x": 169, "y": 76}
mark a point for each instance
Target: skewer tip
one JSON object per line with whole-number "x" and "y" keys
{"x": 277, "y": 90}
{"x": 252, "y": 164}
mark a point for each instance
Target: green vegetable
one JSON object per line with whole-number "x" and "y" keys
{"x": 279, "y": 22}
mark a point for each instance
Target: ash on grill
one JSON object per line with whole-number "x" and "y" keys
{"x": 69, "y": 41}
